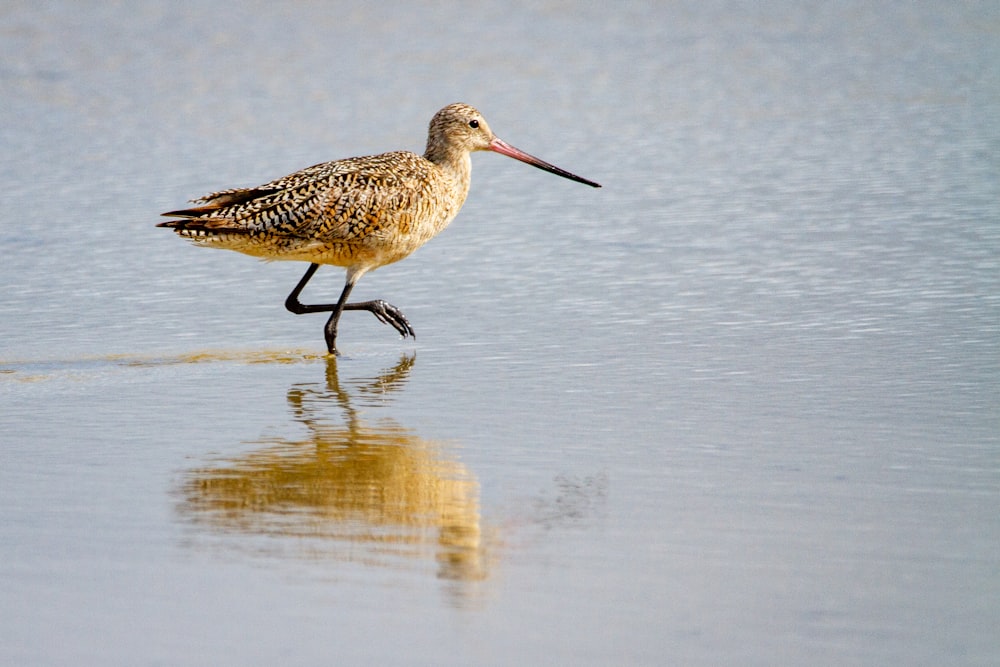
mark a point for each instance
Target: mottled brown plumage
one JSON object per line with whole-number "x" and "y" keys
{"x": 360, "y": 213}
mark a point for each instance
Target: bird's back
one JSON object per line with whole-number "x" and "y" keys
{"x": 363, "y": 212}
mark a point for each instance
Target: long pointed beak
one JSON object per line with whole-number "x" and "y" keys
{"x": 504, "y": 148}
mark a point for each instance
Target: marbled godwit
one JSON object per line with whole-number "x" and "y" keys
{"x": 360, "y": 213}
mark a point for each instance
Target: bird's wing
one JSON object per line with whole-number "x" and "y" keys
{"x": 327, "y": 201}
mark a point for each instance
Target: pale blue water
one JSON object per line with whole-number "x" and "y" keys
{"x": 739, "y": 406}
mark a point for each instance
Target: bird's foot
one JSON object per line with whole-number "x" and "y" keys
{"x": 386, "y": 313}
{"x": 331, "y": 344}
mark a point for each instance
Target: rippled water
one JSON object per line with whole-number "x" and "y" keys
{"x": 739, "y": 406}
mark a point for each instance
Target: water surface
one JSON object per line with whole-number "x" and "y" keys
{"x": 739, "y": 406}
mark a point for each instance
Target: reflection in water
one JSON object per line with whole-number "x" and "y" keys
{"x": 365, "y": 492}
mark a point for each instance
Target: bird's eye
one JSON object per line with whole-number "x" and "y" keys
{"x": 473, "y": 123}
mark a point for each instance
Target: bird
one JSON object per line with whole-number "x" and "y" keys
{"x": 358, "y": 213}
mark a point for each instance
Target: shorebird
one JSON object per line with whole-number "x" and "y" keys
{"x": 359, "y": 213}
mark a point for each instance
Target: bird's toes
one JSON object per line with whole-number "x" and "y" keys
{"x": 389, "y": 314}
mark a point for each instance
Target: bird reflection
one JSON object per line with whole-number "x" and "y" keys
{"x": 371, "y": 492}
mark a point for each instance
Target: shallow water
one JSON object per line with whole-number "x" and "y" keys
{"x": 739, "y": 406}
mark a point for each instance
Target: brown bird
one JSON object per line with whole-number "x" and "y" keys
{"x": 360, "y": 213}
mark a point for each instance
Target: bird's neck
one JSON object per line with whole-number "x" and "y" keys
{"x": 457, "y": 164}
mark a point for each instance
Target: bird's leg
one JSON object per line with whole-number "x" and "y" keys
{"x": 330, "y": 330}
{"x": 292, "y": 302}
{"x": 385, "y": 312}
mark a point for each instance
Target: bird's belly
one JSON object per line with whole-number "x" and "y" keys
{"x": 369, "y": 253}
